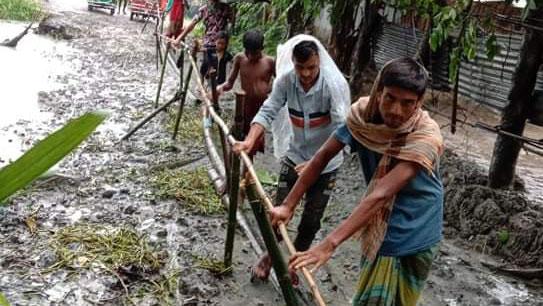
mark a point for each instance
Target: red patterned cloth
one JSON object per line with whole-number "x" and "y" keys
{"x": 216, "y": 18}
{"x": 176, "y": 18}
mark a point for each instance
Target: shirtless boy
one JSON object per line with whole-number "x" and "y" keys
{"x": 256, "y": 71}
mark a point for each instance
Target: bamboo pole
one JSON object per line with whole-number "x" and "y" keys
{"x": 258, "y": 186}
{"x": 168, "y": 46}
{"x": 216, "y": 174}
{"x": 278, "y": 262}
{"x": 233, "y": 189}
{"x": 182, "y": 103}
{"x": 225, "y": 151}
{"x": 151, "y": 115}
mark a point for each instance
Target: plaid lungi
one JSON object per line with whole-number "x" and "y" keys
{"x": 393, "y": 281}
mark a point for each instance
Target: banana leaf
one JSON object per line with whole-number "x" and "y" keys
{"x": 3, "y": 300}
{"x": 46, "y": 154}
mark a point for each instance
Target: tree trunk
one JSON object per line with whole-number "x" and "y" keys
{"x": 424, "y": 52}
{"x": 362, "y": 57}
{"x": 296, "y": 19}
{"x": 345, "y": 30}
{"x": 506, "y": 149}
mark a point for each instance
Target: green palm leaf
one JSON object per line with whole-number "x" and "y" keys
{"x": 3, "y": 301}
{"x": 46, "y": 154}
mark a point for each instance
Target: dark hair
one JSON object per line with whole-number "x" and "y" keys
{"x": 253, "y": 40}
{"x": 223, "y": 35}
{"x": 304, "y": 50}
{"x": 405, "y": 73}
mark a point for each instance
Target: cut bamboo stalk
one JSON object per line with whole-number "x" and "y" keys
{"x": 215, "y": 170}
{"x": 233, "y": 186}
{"x": 182, "y": 103}
{"x": 268, "y": 235}
{"x": 225, "y": 151}
{"x": 159, "y": 89}
{"x": 214, "y": 156}
{"x": 258, "y": 186}
{"x": 150, "y": 116}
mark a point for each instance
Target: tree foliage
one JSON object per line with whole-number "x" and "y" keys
{"x": 270, "y": 19}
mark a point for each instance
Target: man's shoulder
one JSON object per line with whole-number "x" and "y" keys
{"x": 269, "y": 58}
{"x": 287, "y": 77}
{"x": 240, "y": 57}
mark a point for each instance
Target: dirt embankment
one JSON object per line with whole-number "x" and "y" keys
{"x": 500, "y": 222}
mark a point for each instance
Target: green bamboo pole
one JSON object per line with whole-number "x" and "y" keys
{"x": 234, "y": 181}
{"x": 259, "y": 189}
{"x": 151, "y": 116}
{"x": 168, "y": 46}
{"x": 183, "y": 99}
{"x": 278, "y": 262}
{"x": 225, "y": 151}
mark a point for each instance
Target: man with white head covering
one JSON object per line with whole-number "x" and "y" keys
{"x": 309, "y": 100}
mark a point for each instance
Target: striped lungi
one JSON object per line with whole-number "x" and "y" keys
{"x": 393, "y": 281}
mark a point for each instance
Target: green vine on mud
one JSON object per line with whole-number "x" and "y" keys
{"x": 82, "y": 246}
{"x": 191, "y": 187}
{"x": 212, "y": 264}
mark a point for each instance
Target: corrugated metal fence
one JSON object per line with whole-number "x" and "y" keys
{"x": 484, "y": 81}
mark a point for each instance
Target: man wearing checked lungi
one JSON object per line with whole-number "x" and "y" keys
{"x": 399, "y": 219}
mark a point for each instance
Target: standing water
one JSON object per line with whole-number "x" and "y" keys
{"x": 26, "y": 70}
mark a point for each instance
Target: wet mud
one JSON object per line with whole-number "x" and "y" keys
{"x": 110, "y": 65}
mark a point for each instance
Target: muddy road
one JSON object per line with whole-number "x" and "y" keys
{"x": 109, "y": 64}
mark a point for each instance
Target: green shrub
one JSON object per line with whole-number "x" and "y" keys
{"x": 20, "y": 9}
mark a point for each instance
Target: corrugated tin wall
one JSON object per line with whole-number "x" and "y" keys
{"x": 484, "y": 81}
{"x": 396, "y": 41}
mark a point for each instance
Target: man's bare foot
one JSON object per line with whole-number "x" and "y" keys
{"x": 294, "y": 279}
{"x": 262, "y": 269}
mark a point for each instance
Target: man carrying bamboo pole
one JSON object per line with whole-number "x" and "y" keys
{"x": 399, "y": 219}
{"x": 309, "y": 100}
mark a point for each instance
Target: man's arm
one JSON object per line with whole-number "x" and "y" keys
{"x": 272, "y": 62}
{"x": 265, "y": 116}
{"x": 226, "y": 86}
{"x": 187, "y": 30}
{"x": 384, "y": 191}
{"x": 309, "y": 175}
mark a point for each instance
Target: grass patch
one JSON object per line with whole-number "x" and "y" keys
{"x": 190, "y": 126}
{"x": 163, "y": 288}
{"x": 211, "y": 264}
{"x": 3, "y": 300}
{"x": 192, "y": 187}
{"x": 267, "y": 178}
{"x": 83, "y": 246}
{"x": 20, "y": 9}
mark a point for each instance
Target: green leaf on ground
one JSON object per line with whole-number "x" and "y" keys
{"x": 46, "y": 154}
{"x": 266, "y": 178}
{"x": 3, "y": 300}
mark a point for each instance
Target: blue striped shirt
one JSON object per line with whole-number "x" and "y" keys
{"x": 313, "y": 116}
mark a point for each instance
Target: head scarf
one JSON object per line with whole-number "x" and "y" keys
{"x": 417, "y": 140}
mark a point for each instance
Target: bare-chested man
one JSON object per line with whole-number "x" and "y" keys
{"x": 256, "y": 71}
